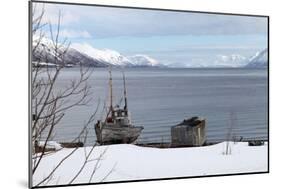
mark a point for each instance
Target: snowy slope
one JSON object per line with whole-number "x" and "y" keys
{"x": 107, "y": 56}
{"x": 130, "y": 162}
{"x": 45, "y": 52}
{"x": 115, "y": 58}
{"x": 259, "y": 60}
{"x": 233, "y": 60}
{"x": 213, "y": 61}
{"x": 88, "y": 55}
{"x": 143, "y": 60}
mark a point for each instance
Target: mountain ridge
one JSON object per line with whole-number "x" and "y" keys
{"x": 259, "y": 60}
{"x": 85, "y": 54}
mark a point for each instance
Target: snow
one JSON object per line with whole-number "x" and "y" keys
{"x": 50, "y": 144}
{"x": 43, "y": 64}
{"x": 260, "y": 59}
{"x": 233, "y": 60}
{"x": 143, "y": 60}
{"x": 113, "y": 57}
{"x": 107, "y": 56}
{"x": 104, "y": 55}
{"x": 129, "y": 162}
{"x": 259, "y": 56}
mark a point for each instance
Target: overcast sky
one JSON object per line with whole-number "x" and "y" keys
{"x": 170, "y": 37}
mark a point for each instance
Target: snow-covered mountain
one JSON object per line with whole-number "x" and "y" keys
{"x": 233, "y": 60}
{"x": 87, "y": 55}
{"x": 45, "y": 52}
{"x": 143, "y": 60}
{"x": 259, "y": 60}
{"x": 106, "y": 56}
{"x": 111, "y": 57}
{"x": 212, "y": 61}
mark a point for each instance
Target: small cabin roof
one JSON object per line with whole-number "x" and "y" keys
{"x": 193, "y": 121}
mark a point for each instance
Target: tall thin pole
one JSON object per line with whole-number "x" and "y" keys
{"x": 125, "y": 93}
{"x": 110, "y": 88}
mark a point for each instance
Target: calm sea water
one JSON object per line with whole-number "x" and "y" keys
{"x": 161, "y": 98}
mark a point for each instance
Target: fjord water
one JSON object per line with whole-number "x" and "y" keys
{"x": 160, "y": 98}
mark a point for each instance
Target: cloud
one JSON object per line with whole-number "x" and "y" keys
{"x": 126, "y": 22}
{"x": 116, "y": 22}
{"x": 75, "y": 34}
{"x": 170, "y": 37}
{"x": 52, "y": 12}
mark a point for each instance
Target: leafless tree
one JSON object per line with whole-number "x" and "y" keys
{"x": 229, "y": 134}
{"x": 50, "y": 104}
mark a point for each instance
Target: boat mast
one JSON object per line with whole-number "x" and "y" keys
{"x": 125, "y": 94}
{"x": 110, "y": 88}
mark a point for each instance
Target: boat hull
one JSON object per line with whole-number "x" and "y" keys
{"x": 117, "y": 135}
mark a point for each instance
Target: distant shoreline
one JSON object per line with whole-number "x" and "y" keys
{"x": 166, "y": 68}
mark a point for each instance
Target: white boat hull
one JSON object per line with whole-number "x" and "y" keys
{"x": 117, "y": 135}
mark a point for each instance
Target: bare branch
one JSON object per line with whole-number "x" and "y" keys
{"x": 49, "y": 104}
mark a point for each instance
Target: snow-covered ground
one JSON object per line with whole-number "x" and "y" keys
{"x": 129, "y": 162}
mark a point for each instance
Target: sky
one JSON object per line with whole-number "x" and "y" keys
{"x": 172, "y": 38}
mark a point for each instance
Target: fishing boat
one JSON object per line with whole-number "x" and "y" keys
{"x": 117, "y": 127}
